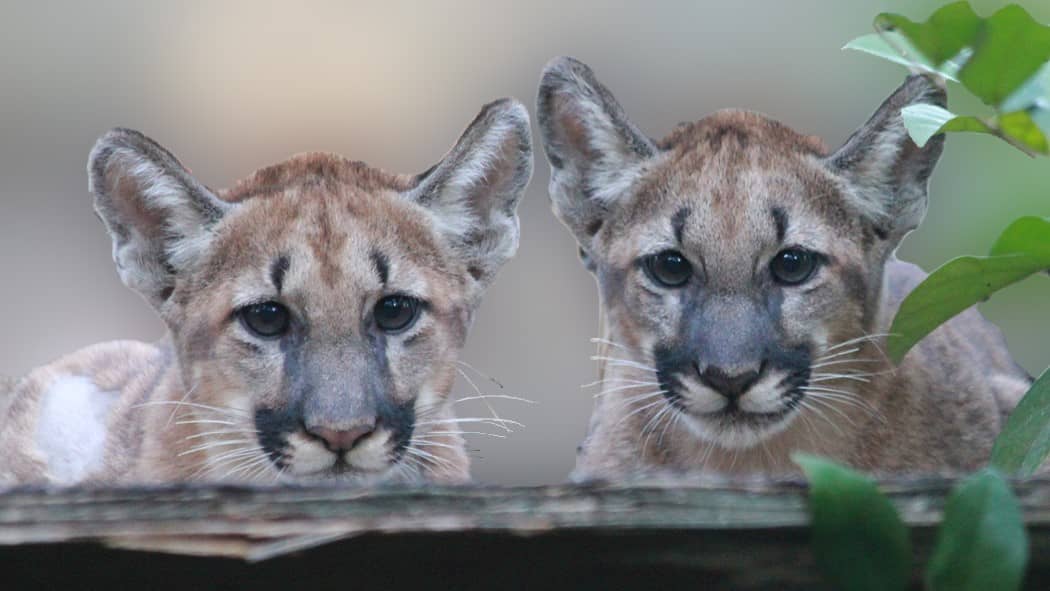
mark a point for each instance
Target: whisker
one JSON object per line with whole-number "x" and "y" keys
{"x": 496, "y": 396}
{"x": 223, "y": 432}
{"x": 212, "y": 444}
{"x": 497, "y": 435}
{"x": 602, "y": 341}
{"x": 205, "y": 422}
{"x": 828, "y": 405}
{"x": 429, "y": 443}
{"x": 839, "y": 354}
{"x": 480, "y": 373}
{"x": 804, "y": 403}
{"x": 618, "y": 381}
{"x": 842, "y": 361}
{"x": 860, "y": 339}
{"x": 628, "y": 387}
{"x": 229, "y": 411}
{"x": 638, "y": 410}
{"x": 488, "y": 421}
{"x": 622, "y": 362}
{"x": 482, "y": 398}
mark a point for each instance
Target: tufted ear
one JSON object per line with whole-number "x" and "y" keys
{"x": 157, "y": 214}
{"x": 595, "y": 152}
{"x": 473, "y": 192}
{"x": 886, "y": 173}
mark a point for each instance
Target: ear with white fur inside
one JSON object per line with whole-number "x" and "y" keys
{"x": 595, "y": 152}
{"x": 157, "y": 214}
{"x": 886, "y": 173}
{"x": 473, "y": 193}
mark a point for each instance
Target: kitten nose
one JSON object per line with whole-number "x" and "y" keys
{"x": 730, "y": 386}
{"x": 340, "y": 440}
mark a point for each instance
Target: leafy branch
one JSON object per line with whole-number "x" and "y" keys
{"x": 859, "y": 540}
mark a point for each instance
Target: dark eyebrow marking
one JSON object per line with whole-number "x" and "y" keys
{"x": 678, "y": 222}
{"x": 382, "y": 266}
{"x": 780, "y": 219}
{"x": 277, "y": 271}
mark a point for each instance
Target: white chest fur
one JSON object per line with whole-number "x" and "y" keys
{"x": 71, "y": 428}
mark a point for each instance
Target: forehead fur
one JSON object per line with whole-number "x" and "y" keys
{"x": 316, "y": 170}
{"x": 323, "y": 202}
{"x": 729, "y": 162}
{"x": 737, "y": 130}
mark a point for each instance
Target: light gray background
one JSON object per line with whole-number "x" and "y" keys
{"x": 233, "y": 86}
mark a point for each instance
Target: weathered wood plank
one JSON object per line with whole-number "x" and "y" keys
{"x": 744, "y": 535}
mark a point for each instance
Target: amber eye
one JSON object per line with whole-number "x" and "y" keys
{"x": 396, "y": 313}
{"x": 267, "y": 320}
{"x": 669, "y": 268}
{"x": 793, "y": 266}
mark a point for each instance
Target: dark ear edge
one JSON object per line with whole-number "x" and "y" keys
{"x": 887, "y": 170}
{"x": 157, "y": 214}
{"x": 473, "y": 193}
{"x": 571, "y": 77}
{"x": 596, "y": 153}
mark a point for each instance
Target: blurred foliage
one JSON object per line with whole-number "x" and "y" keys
{"x": 861, "y": 544}
{"x": 1003, "y": 60}
{"x": 859, "y": 541}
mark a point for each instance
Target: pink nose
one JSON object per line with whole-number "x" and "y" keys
{"x": 339, "y": 440}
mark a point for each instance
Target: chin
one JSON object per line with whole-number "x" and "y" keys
{"x": 738, "y": 430}
{"x": 343, "y": 474}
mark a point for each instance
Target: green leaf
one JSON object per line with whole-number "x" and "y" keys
{"x": 893, "y": 46}
{"x": 1022, "y": 250}
{"x": 859, "y": 542}
{"x": 1034, "y": 94}
{"x": 1028, "y": 236}
{"x": 925, "y": 121}
{"x": 1011, "y": 48}
{"x": 1024, "y": 443}
{"x": 942, "y": 36}
{"x": 982, "y": 542}
{"x": 1020, "y": 126}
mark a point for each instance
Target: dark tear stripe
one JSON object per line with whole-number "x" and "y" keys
{"x": 780, "y": 219}
{"x": 678, "y": 222}
{"x": 382, "y": 265}
{"x": 278, "y": 270}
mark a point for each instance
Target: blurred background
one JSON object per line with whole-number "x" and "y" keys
{"x": 233, "y": 86}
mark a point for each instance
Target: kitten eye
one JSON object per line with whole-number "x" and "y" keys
{"x": 669, "y": 268}
{"x": 267, "y": 320}
{"x": 793, "y": 266}
{"x": 396, "y": 313}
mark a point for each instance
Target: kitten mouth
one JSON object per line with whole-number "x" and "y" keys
{"x": 733, "y": 416}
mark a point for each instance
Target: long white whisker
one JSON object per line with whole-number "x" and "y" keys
{"x": 496, "y": 396}
{"x": 205, "y": 422}
{"x": 619, "y": 381}
{"x": 482, "y": 397}
{"x": 488, "y": 421}
{"x": 222, "y": 432}
{"x": 497, "y": 435}
{"x": 212, "y": 444}
{"x": 839, "y": 354}
{"x": 622, "y": 362}
{"x": 842, "y": 361}
{"x": 860, "y": 339}
{"x": 229, "y": 411}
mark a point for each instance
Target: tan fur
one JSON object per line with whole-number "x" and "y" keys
{"x": 329, "y": 224}
{"x": 726, "y": 179}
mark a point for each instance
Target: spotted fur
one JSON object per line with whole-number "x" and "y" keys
{"x": 335, "y": 397}
{"x": 735, "y": 369}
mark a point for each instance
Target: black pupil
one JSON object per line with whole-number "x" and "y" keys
{"x": 671, "y": 268}
{"x": 268, "y": 319}
{"x": 793, "y": 266}
{"x": 395, "y": 312}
